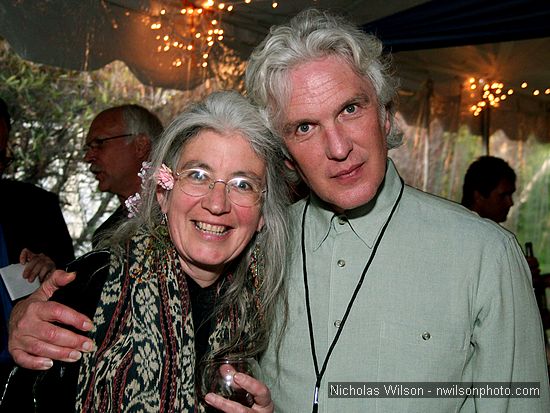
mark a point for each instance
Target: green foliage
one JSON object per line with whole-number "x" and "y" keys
{"x": 51, "y": 110}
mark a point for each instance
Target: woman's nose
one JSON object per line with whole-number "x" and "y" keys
{"x": 217, "y": 200}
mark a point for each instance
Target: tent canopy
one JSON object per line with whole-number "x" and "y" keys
{"x": 89, "y": 34}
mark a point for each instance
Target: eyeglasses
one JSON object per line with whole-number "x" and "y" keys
{"x": 241, "y": 190}
{"x": 97, "y": 143}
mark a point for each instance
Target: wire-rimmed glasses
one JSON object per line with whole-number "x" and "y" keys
{"x": 241, "y": 190}
{"x": 97, "y": 143}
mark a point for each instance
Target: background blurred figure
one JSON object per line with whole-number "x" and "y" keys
{"x": 32, "y": 230}
{"x": 118, "y": 142}
{"x": 489, "y": 185}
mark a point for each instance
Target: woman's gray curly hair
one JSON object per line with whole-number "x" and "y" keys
{"x": 229, "y": 114}
{"x": 310, "y": 35}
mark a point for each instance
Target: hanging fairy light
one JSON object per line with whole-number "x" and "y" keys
{"x": 492, "y": 93}
{"x": 191, "y": 28}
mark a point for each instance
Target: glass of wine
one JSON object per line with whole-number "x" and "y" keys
{"x": 217, "y": 377}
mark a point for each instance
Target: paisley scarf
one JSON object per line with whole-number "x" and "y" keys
{"x": 143, "y": 328}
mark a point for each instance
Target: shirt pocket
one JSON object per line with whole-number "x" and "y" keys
{"x": 422, "y": 352}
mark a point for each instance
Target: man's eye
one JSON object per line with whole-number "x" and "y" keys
{"x": 350, "y": 109}
{"x": 304, "y": 128}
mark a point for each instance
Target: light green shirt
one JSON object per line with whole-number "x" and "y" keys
{"x": 448, "y": 298}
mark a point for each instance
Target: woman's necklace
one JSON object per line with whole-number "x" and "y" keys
{"x": 319, "y": 374}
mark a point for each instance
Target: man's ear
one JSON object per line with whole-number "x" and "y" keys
{"x": 143, "y": 146}
{"x": 163, "y": 199}
{"x": 478, "y": 198}
{"x": 387, "y": 123}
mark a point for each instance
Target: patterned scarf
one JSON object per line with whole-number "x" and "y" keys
{"x": 145, "y": 361}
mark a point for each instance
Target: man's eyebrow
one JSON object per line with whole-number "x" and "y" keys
{"x": 362, "y": 98}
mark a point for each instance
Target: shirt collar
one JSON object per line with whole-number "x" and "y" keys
{"x": 366, "y": 221}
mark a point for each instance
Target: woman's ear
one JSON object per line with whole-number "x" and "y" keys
{"x": 260, "y": 224}
{"x": 163, "y": 199}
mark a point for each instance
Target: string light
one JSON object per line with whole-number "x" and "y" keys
{"x": 190, "y": 27}
{"x": 492, "y": 93}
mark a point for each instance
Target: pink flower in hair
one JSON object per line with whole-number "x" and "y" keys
{"x": 165, "y": 177}
{"x": 143, "y": 172}
{"x": 132, "y": 204}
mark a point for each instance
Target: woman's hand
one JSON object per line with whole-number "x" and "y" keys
{"x": 260, "y": 392}
{"x": 34, "y": 339}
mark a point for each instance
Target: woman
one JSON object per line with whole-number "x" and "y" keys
{"x": 187, "y": 277}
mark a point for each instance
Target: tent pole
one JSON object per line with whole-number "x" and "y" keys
{"x": 485, "y": 128}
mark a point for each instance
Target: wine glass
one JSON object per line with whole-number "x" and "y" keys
{"x": 217, "y": 377}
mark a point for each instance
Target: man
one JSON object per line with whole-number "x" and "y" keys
{"x": 386, "y": 283}
{"x": 118, "y": 142}
{"x": 488, "y": 187}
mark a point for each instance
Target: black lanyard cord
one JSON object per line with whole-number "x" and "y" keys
{"x": 319, "y": 374}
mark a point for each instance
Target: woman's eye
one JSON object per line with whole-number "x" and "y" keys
{"x": 242, "y": 185}
{"x": 197, "y": 175}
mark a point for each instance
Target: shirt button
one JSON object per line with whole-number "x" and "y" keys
{"x": 341, "y": 263}
{"x": 426, "y": 335}
{"x": 342, "y": 220}
{"x": 337, "y": 323}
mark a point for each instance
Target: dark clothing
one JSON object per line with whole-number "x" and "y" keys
{"x": 120, "y": 214}
{"x": 58, "y": 385}
{"x": 31, "y": 218}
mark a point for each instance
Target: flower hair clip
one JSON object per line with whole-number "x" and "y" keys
{"x": 165, "y": 177}
{"x": 132, "y": 204}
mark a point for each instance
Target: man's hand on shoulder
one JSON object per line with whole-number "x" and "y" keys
{"x": 34, "y": 340}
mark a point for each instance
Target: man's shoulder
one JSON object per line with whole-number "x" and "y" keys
{"x": 444, "y": 214}
{"x": 24, "y": 199}
{"x": 10, "y": 187}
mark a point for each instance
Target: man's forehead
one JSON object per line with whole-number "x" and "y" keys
{"x": 105, "y": 125}
{"x": 323, "y": 84}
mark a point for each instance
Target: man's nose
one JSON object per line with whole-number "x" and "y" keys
{"x": 89, "y": 155}
{"x": 337, "y": 143}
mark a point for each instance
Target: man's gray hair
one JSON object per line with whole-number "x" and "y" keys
{"x": 311, "y": 35}
{"x": 138, "y": 120}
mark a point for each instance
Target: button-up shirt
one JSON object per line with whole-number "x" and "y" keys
{"x": 448, "y": 298}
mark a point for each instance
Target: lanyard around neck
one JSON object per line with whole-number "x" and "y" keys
{"x": 319, "y": 373}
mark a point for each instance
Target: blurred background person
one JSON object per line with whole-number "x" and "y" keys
{"x": 118, "y": 142}
{"x": 489, "y": 186}
{"x": 32, "y": 231}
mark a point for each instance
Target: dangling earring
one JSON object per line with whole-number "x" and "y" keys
{"x": 162, "y": 228}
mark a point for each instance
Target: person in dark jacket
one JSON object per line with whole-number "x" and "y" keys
{"x": 31, "y": 222}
